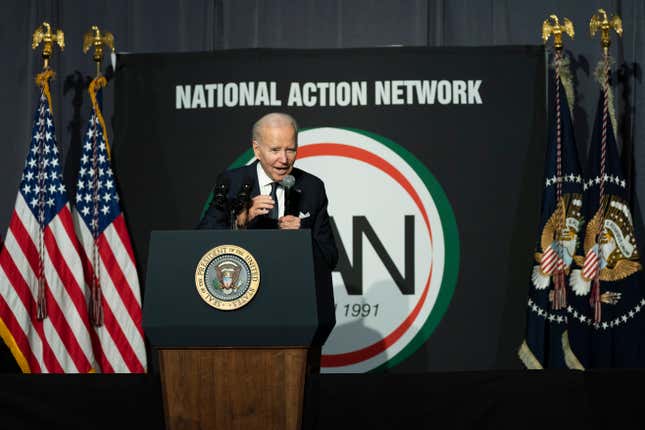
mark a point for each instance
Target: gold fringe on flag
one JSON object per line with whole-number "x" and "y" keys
{"x": 42, "y": 80}
{"x": 96, "y": 84}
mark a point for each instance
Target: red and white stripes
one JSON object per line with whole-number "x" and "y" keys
{"x": 119, "y": 341}
{"x": 60, "y": 343}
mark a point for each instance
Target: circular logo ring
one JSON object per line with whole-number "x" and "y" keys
{"x": 227, "y": 277}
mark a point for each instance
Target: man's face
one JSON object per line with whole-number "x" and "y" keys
{"x": 276, "y": 149}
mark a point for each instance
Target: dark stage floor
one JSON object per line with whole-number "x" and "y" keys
{"x": 442, "y": 400}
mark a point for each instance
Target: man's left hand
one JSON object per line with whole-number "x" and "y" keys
{"x": 289, "y": 222}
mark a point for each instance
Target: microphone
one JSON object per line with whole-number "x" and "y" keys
{"x": 287, "y": 182}
{"x": 243, "y": 195}
{"x": 219, "y": 192}
{"x": 241, "y": 204}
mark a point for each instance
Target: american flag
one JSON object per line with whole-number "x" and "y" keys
{"x": 43, "y": 309}
{"x": 108, "y": 259}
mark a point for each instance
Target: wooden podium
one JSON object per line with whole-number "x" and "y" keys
{"x": 232, "y": 369}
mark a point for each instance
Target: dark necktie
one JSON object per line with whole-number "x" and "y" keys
{"x": 275, "y": 211}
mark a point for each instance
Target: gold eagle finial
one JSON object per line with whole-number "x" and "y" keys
{"x": 556, "y": 29}
{"x": 600, "y": 22}
{"x": 45, "y": 35}
{"x": 95, "y": 38}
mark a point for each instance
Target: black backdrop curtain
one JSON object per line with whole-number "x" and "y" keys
{"x": 204, "y": 25}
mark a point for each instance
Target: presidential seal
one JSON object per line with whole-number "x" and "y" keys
{"x": 227, "y": 277}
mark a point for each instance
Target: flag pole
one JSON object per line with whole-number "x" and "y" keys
{"x": 559, "y": 300}
{"x": 94, "y": 38}
{"x": 599, "y": 21}
{"x": 43, "y": 34}
{"x": 111, "y": 275}
{"x": 48, "y": 38}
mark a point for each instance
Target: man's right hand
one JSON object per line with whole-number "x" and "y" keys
{"x": 260, "y": 205}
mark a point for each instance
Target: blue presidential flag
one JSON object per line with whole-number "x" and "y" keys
{"x": 606, "y": 318}
{"x": 558, "y": 233}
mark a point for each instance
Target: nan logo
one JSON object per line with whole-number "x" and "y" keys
{"x": 398, "y": 246}
{"x": 227, "y": 277}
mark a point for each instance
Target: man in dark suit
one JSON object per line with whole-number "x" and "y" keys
{"x": 271, "y": 205}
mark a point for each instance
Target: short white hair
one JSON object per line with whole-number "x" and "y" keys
{"x": 273, "y": 119}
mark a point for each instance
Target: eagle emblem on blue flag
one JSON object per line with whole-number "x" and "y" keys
{"x": 610, "y": 248}
{"x": 558, "y": 240}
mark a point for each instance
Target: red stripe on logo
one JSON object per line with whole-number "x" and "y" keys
{"x": 340, "y": 150}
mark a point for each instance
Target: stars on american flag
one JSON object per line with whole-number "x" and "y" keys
{"x": 96, "y": 197}
{"x": 41, "y": 182}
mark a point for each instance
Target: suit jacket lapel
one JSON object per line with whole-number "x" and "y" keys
{"x": 295, "y": 194}
{"x": 253, "y": 172}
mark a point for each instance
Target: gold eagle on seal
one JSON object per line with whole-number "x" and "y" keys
{"x": 558, "y": 240}
{"x": 227, "y": 274}
{"x": 610, "y": 234}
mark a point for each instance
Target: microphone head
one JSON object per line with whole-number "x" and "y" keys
{"x": 222, "y": 183}
{"x": 245, "y": 189}
{"x": 288, "y": 181}
{"x": 220, "y": 190}
{"x": 244, "y": 194}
